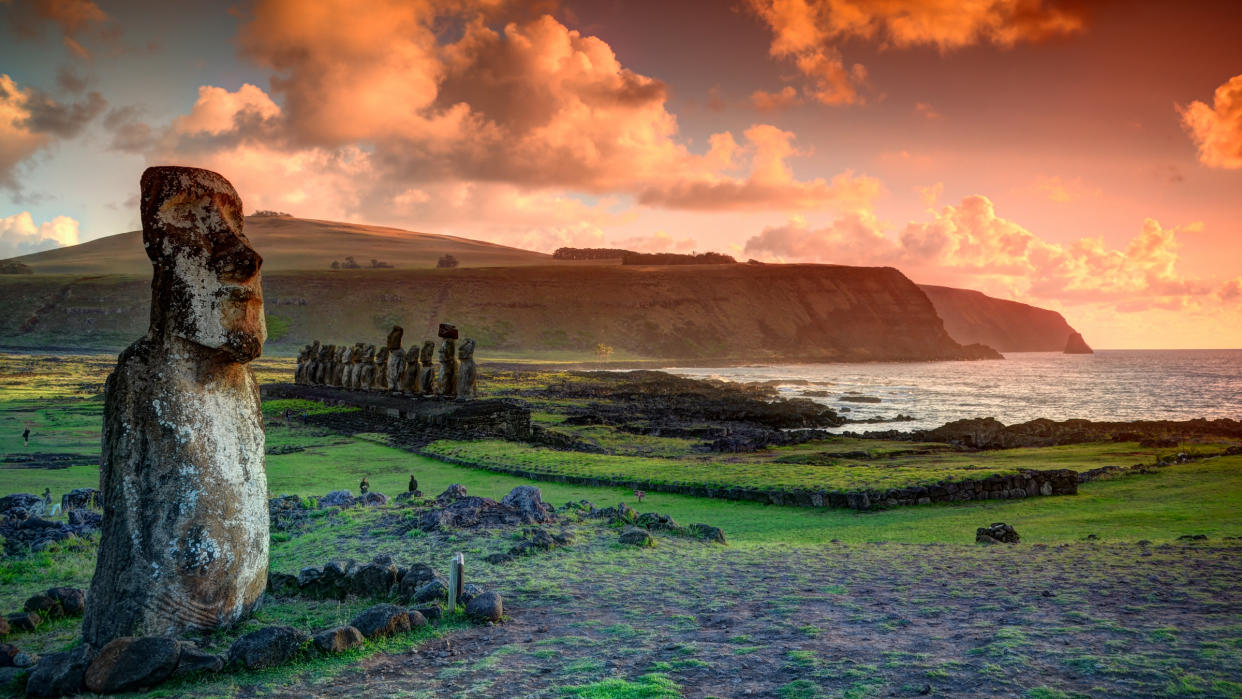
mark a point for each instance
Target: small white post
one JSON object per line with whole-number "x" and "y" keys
{"x": 456, "y": 570}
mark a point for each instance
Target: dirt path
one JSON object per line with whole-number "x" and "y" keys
{"x": 854, "y": 621}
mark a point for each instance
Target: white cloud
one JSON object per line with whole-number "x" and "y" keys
{"x": 20, "y": 236}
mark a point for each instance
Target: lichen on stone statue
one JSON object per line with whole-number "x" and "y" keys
{"x": 185, "y": 525}
{"x": 446, "y": 371}
{"x": 396, "y": 359}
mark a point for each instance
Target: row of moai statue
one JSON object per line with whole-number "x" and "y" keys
{"x": 390, "y": 368}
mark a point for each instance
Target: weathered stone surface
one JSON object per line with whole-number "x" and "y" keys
{"x": 373, "y": 499}
{"x": 446, "y": 369}
{"x": 338, "y": 498}
{"x": 266, "y": 647}
{"x": 637, "y": 537}
{"x": 81, "y": 499}
{"x": 373, "y": 580}
{"x": 338, "y": 640}
{"x": 655, "y": 520}
{"x": 528, "y": 501}
{"x": 417, "y": 620}
{"x": 453, "y": 492}
{"x": 436, "y": 589}
{"x": 418, "y": 575}
{"x": 471, "y": 590}
{"x": 23, "y": 621}
{"x": 194, "y": 660}
{"x": 32, "y": 504}
{"x": 13, "y": 679}
{"x": 997, "y": 533}
{"x": 382, "y": 620}
{"x": 707, "y": 532}
{"x": 8, "y": 651}
{"x": 486, "y": 607}
{"x": 282, "y": 584}
{"x": 427, "y": 376}
{"x": 467, "y": 371}
{"x": 128, "y": 663}
{"x": 432, "y": 613}
{"x": 45, "y": 606}
{"x": 185, "y": 536}
{"x": 58, "y": 674}
{"x": 72, "y": 600}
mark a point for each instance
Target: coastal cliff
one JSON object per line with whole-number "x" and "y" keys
{"x": 1009, "y": 326}
{"x": 711, "y": 312}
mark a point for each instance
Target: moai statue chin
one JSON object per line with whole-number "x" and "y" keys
{"x": 185, "y": 525}
{"x": 446, "y": 372}
{"x": 467, "y": 371}
{"x": 427, "y": 376}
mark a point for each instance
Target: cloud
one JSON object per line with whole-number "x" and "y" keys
{"x": 1062, "y": 191}
{"x": 930, "y": 194}
{"x": 31, "y": 121}
{"x": 807, "y": 32}
{"x": 770, "y": 184}
{"x": 20, "y": 236}
{"x": 925, "y": 110}
{"x": 73, "y": 18}
{"x": 774, "y": 101}
{"x": 1217, "y": 130}
{"x": 660, "y": 241}
{"x": 969, "y": 245}
{"x": 377, "y": 113}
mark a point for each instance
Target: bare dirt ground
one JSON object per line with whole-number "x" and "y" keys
{"x": 1085, "y": 619}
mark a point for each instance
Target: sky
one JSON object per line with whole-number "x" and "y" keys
{"x": 1080, "y": 156}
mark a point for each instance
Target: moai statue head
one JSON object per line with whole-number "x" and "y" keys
{"x": 369, "y": 354}
{"x": 339, "y": 355}
{"x": 448, "y": 351}
{"x": 428, "y": 352}
{"x": 466, "y": 351}
{"x": 359, "y": 350}
{"x": 206, "y": 289}
{"x": 394, "y": 337}
{"x": 314, "y": 348}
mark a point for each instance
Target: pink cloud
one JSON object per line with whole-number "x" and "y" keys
{"x": 1217, "y": 129}
{"x": 774, "y": 101}
{"x": 807, "y": 32}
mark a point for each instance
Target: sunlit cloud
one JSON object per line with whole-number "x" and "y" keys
{"x": 31, "y": 120}
{"x": 20, "y": 236}
{"x": 1217, "y": 129}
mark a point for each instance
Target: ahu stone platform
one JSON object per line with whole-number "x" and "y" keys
{"x": 509, "y": 419}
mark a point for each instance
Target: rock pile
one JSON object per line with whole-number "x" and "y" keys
{"x": 23, "y": 529}
{"x": 522, "y": 505}
{"x": 996, "y": 533}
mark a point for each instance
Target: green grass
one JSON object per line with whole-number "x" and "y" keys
{"x": 651, "y": 686}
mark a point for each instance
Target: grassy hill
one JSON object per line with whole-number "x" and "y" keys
{"x": 288, "y": 243}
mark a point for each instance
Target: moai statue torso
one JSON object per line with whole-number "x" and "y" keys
{"x": 427, "y": 375}
{"x": 312, "y": 363}
{"x": 185, "y": 525}
{"x": 409, "y": 376}
{"x": 329, "y": 364}
{"x": 321, "y": 365}
{"x": 355, "y": 365}
{"x": 446, "y": 372}
{"x": 299, "y": 374}
{"x": 467, "y": 371}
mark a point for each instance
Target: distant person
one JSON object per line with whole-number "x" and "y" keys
{"x": 47, "y": 497}
{"x": 413, "y": 484}
{"x": 364, "y": 486}
{"x": 26, "y": 436}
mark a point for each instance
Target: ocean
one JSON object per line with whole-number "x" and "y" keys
{"x": 1107, "y": 385}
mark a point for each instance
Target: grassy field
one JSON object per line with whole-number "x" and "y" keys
{"x": 1100, "y": 599}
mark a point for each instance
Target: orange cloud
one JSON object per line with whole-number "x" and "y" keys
{"x": 1217, "y": 130}
{"x": 72, "y": 17}
{"x": 660, "y": 241}
{"x": 925, "y": 110}
{"x": 30, "y": 121}
{"x": 970, "y": 245}
{"x": 1063, "y": 191}
{"x": 774, "y": 101}
{"x": 807, "y": 31}
{"x": 532, "y": 105}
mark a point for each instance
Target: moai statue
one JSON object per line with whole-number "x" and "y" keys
{"x": 339, "y": 360}
{"x": 185, "y": 524}
{"x": 329, "y": 364}
{"x": 355, "y": 366}
{"x": 299, "y": 374}
{"x": 366, "y": 373}
{"x": 313, "y": 363}
{"x": 446, "y": 372}
{"x": 321, "y": 365}
{"x": 396, "y": 359}
{"x": 380, "y": 383}
{"x": 409, "y": 377}
{"x": 467, "y": 371}
{"x": 427, "y": 374}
